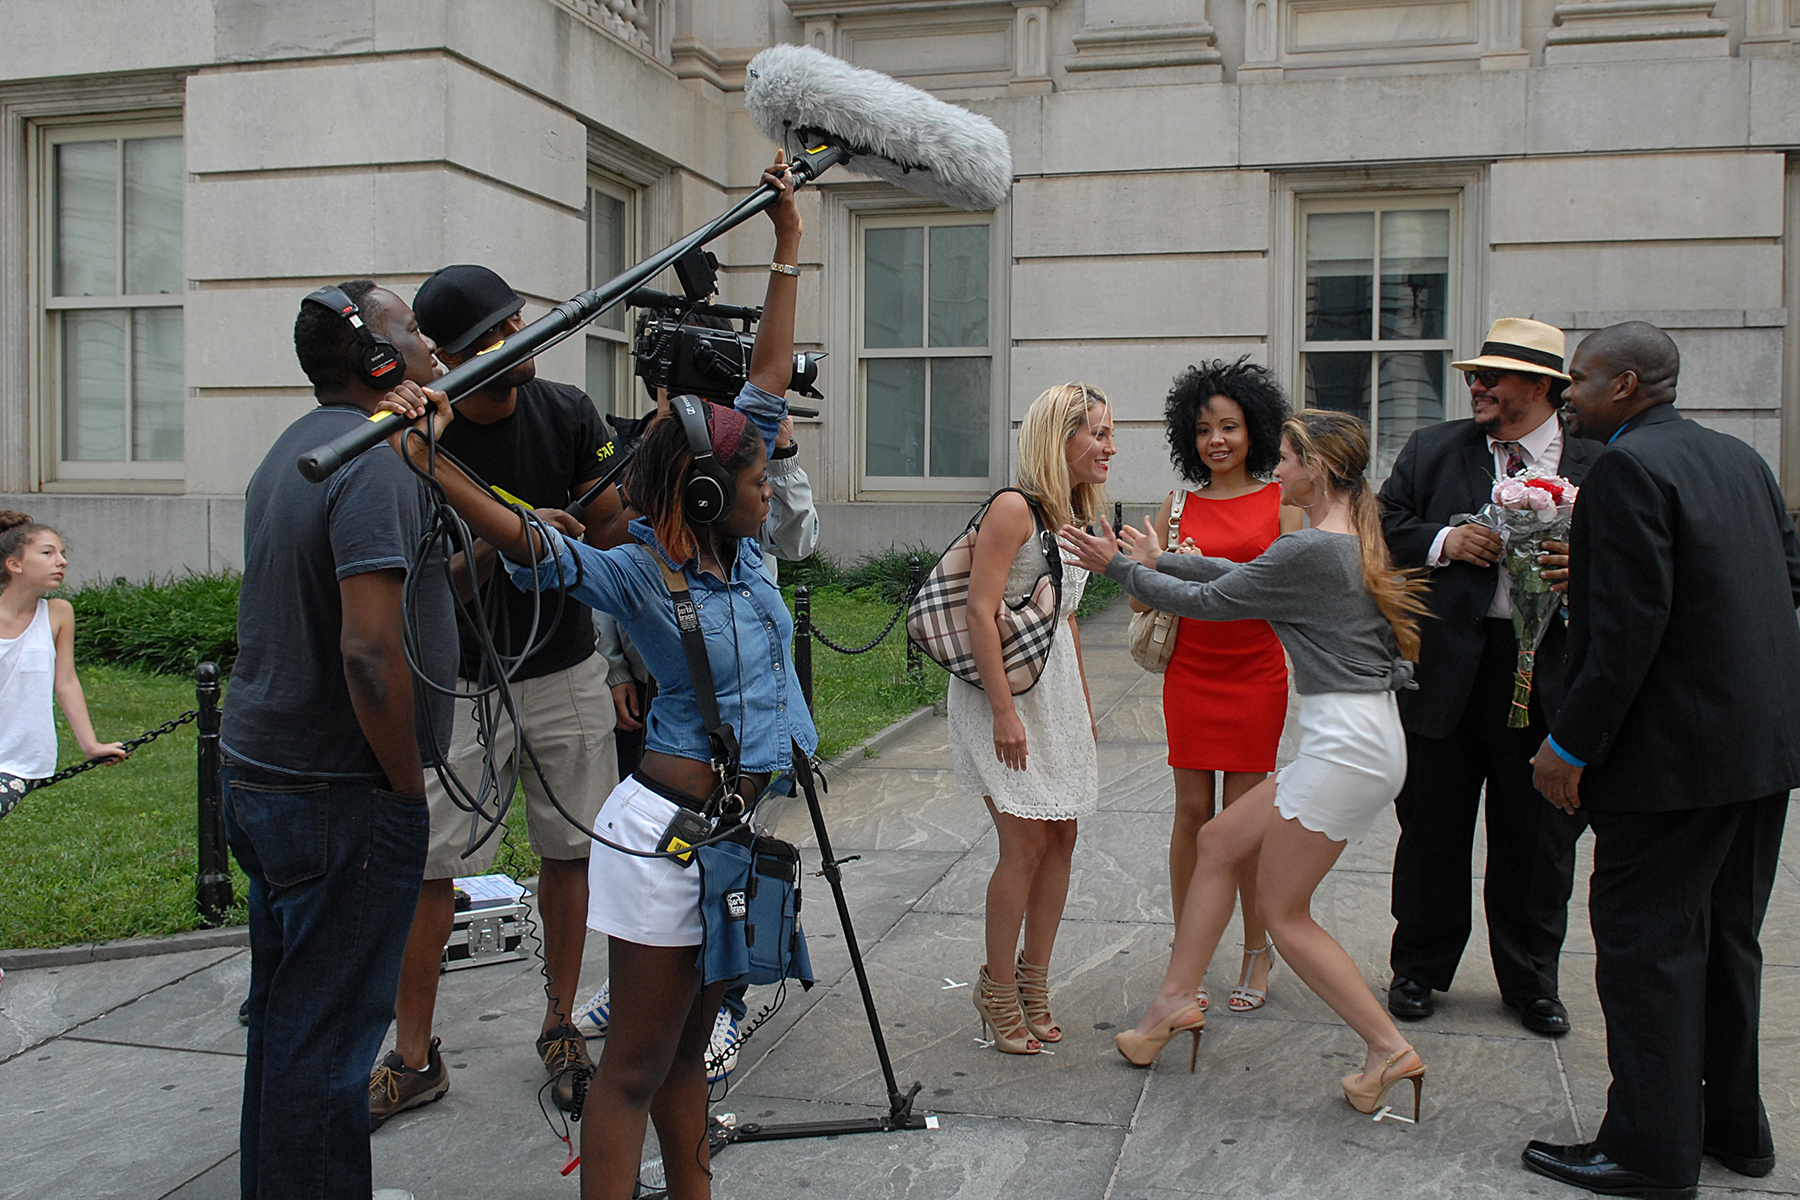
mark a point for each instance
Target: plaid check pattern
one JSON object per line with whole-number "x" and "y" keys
{"x": 938, "y": 621}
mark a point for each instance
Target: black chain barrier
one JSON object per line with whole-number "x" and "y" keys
{"x": 805, "y": 632}
{"x": 212, "y": 882}
{"x": 148, "y": 736}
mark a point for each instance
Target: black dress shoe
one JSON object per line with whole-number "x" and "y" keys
{"x": 1409, "y": 999}
{"x": 1545, "y": 1015}
{"x": 1755, "y": 1166}
{"x": 1583, "y": 1166}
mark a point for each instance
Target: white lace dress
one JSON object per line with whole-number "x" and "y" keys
{"x": 1061, "y": 779}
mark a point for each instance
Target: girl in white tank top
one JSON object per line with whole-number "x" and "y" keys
{"x": 37, "y": 655}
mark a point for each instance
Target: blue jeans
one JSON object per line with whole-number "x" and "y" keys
{"x": 334, "y": 877}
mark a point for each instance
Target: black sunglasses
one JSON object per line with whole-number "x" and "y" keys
{"x": 1488, "y": 377}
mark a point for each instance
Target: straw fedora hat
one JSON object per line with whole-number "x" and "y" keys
{"x": 1515, "y": 344}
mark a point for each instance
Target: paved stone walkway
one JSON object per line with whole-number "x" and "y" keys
{"x": 121, "y": 1079}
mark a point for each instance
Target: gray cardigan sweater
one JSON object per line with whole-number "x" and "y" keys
{"x": 1307, "y": 586}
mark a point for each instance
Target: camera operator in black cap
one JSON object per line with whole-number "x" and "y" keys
{"x": 545, "y": 444}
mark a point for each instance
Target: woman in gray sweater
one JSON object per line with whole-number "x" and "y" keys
{"x": 1347, "y": 619}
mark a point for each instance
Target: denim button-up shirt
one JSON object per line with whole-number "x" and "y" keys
{"x": 747, "y": 630}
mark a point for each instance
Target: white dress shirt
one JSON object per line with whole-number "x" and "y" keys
{"x": 1541, "y": 448}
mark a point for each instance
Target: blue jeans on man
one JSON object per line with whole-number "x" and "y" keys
{"x": 334, "y": 877}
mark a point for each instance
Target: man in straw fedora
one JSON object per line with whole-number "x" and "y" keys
{"x": 1457, "y": 738}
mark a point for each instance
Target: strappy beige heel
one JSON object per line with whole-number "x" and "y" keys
{"x": 1034, "y": 1000}
{"x": 998, "y": 1004}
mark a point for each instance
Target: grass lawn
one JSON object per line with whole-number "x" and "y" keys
{"x": 856, "y": 695}
{"x": 109, "y": 854}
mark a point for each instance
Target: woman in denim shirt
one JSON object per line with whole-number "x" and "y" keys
{"x": 654, "y": 1062}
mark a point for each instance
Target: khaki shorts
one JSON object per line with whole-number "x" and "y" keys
{"x": 568, "y": 720}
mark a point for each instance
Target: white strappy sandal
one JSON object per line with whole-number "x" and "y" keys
{"x": 1245, "y": 998}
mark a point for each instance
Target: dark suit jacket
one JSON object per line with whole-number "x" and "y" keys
{"x": 1443, "y": 470}
{"x": 1683, "y": 662}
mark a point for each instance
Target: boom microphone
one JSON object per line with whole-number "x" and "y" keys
{"x": 825, "y": 112}
{"x": 798, "y": 97}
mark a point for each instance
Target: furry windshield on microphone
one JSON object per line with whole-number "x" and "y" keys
{"x": 797, "y": 95}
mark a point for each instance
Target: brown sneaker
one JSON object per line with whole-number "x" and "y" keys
{"x": 565, "y": 1056}
{"x": 395, "y": 1087}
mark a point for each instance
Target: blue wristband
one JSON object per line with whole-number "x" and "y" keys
{"x": 1564, "y": 754}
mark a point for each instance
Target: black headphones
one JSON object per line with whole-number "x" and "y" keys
{"x": 708, "y": 492}
{"x": 375, "y": 360}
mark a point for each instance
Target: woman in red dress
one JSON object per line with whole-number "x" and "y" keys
{"x": 1226, "y": 689}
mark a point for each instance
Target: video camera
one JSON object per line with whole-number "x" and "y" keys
{"x": 675, "y": 352}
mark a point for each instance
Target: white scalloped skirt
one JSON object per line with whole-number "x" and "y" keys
{"x": 1351, "y": 764}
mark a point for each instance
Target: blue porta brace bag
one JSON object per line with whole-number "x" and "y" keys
{"x": 750, "y": 908}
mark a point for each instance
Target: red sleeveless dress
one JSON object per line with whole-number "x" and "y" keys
{"x": 1225, "y": 690}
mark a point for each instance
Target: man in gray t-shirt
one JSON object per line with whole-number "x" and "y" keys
{"x": 326, "y": 740}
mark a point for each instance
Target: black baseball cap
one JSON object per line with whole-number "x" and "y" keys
{"x": 462, "y": 302}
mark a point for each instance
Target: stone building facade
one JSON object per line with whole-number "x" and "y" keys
{"x": 1349, "y": 190}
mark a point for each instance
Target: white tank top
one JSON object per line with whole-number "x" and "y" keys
{"x": 27, "y": 692}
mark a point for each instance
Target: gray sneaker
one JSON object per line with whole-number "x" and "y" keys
{"x": 395, "y": 1087}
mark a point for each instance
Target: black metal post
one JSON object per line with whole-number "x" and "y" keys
{"x": 900, "y": 1114}
{"x": 914, "y": 576}
{"x": 212, "y": 886}
{"x": 803, "y": 641}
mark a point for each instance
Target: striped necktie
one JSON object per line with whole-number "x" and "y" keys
{"x": 1515, "y": 461}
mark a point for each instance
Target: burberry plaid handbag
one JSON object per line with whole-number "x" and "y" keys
{"x": 938, "y": 621}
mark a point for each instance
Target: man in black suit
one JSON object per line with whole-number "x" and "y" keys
{"x": 1679, "y": 737}
{"x": 1457, "y": 740}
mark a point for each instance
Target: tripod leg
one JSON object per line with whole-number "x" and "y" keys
{"x": 899, "y": 1106}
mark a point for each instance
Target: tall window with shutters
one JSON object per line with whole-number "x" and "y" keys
{"x": 1377, "y": 298}
{"x": 612, "y": 245}
{"x": 111, "y": 286}
{"x": 925, "y": 359}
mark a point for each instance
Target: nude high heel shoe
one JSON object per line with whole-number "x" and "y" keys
{"x": 1364, "y": 1093}
{"x": 998, "y": 1004}
{"x": 1141, "y": 1049}
{"x": 1034, "y": 999}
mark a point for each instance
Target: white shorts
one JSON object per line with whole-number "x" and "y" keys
{"x": 1351, "y": 764}
{"x": 650, "y": 901}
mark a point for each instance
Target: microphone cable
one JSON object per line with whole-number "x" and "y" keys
{"x": 446, "y": 528}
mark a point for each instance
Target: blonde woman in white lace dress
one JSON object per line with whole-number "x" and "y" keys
{"x": 1031, "y": 757}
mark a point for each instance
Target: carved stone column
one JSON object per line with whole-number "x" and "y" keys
{"x": 1766, "y": 29}
{"x": 1031, "y": 46}
{"x": 1618, "y": 30}
{"x": 1503, "y": 46}
{"x": 1262, "y": 42}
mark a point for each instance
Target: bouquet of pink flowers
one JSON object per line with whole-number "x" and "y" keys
{"x": 1529, "y": 509}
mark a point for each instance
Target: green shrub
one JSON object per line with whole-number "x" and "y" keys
{"x": 1100, "y": 592}
{"x": 885, "y": 573}
{"x": 170, "y": 625}
{"x": 815, "y": 570}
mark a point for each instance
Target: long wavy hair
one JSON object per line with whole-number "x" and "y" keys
{"x": 1049, "y": 423}
{"x": 1336, "y": 445}
{"x": 654, "y": 478}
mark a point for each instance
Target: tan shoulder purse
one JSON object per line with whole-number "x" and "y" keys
{"x": 1152, "y": 636}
